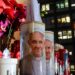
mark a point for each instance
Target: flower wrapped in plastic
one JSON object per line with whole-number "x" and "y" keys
{"x": 12, "y": 14}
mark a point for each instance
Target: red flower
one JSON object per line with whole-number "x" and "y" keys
{"x": 14, "y": 12}
{"x": 6, "y": 2}
{"x": 13, "y": 2}
{"x": 1, "y": 54}
{"x": 21, "y": 10}
{"x": 3, "y": 6}
{"x": 12, "y": 54}
{"x": 18, "y": 55}
{"x": 10, "y": 3}
{"x": 57, "y": 54}
{"x": 1, "y": 10}
{"x": 9, "y": 12}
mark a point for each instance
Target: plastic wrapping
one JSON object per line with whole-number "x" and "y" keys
{"x": 6, "y": 53}
{"x": 61, "y": 68}
{"x": 33, "y": 11}
{"x": 66, "y": 63}
{"x": 49, "y": 49}
{"x": 56, "y": 63}
{"x": 8, "y": 66}
{"x": 33, "y": 61}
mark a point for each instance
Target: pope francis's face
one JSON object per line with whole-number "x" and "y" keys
{"x": 48, "y": 48}
{"x": 36, "y": 43}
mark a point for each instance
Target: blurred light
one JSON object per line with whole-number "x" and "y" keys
{"x": 58, "y": 5}
{"x": 63, "y": 20}
{"x": 72, "y": 67}
{"x": 69, "y": 34}
{"x": 71, "y": 74}
{"x": 59, "y": 35}
{"x": 52, "y": 20}
{"x": 67, "y": 19}
{"x": 66, "y": 3}
{"x": 73, "y": 5}
{"x": 70, "y": 53}
{"x": 59, "y": 20}
{"x": 47, "y": 7}
{"x": 64, "y": 35}
{"x": 62, "y": 5}
{"x": 43, "y": 8}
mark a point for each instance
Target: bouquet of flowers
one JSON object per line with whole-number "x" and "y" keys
{"x": 12, "y": 14}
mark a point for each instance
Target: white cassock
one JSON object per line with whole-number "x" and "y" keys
{"x": 38, "y": 67}
{"x": 52, "y": 67}
{"x": 48, "y": 67}
{"x": 32, "y": 66}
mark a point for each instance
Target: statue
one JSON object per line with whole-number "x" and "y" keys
{"x": 32, "y": 14}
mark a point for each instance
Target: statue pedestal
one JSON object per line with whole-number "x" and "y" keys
{"x": 8, "y": 66}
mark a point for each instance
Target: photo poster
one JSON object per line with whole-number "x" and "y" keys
{"x": 38, "y": 27}
{"x": 49, "y": 35}
{"x": 28, "y": 30}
